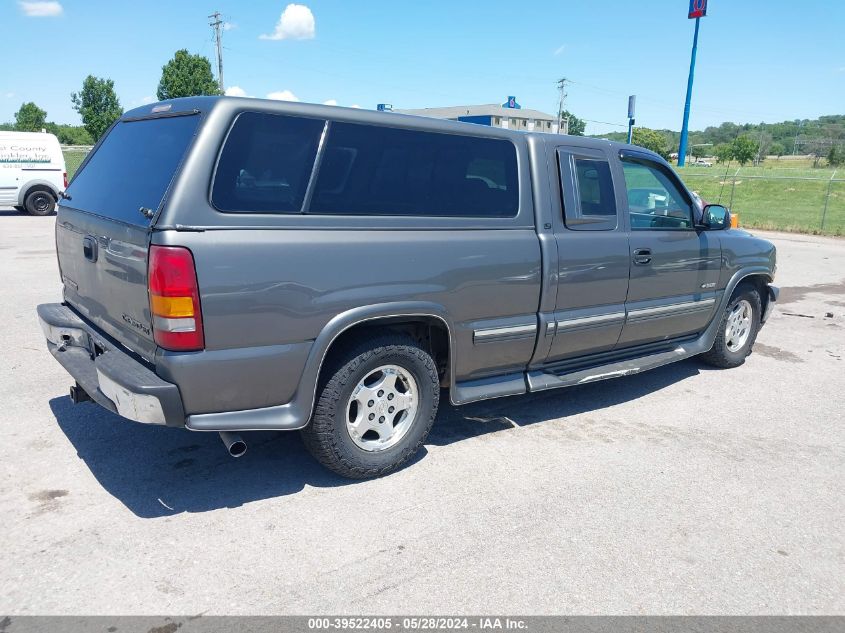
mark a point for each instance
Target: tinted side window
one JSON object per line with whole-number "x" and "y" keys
{"x": 266, "y": 163}
{"x": 374, "y": 170}
{"x": 596, "y": 201}
{"x": 654, "y": 200}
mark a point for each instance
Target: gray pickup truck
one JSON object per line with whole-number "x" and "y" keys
{"x": 239, "y": 264}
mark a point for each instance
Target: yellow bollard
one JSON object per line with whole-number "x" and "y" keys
{"x": 734, "y": 220}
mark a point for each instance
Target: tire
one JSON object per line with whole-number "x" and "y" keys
{"x": 738, "y": 329}
{"x": 40, "y": 202}
{"x": 349, "y": 432}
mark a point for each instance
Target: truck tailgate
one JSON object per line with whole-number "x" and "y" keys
{"x": 103, "y": 226}
{"x": 104, "y": 270}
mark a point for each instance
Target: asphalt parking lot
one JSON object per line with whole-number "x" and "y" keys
{"x": 686, "y": 490}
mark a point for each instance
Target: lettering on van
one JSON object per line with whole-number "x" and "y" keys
{"x": 16, "y": 154}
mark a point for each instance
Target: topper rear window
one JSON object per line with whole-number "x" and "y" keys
{"x": 132, "y": 168}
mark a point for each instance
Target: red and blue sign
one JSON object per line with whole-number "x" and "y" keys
{"x": 697, "y": 9}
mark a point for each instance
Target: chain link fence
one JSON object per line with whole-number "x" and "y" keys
{"x": 782, "y": 199}
{"x": 74, "y": 155}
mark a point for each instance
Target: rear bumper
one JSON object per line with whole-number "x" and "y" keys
{"x": 112, "y": 378}
{"x": 772, "y": 299}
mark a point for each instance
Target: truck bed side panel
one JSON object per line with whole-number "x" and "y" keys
{"x": 488, "y": 283}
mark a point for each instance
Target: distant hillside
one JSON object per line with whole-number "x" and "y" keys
{"x": 812, "y": 134}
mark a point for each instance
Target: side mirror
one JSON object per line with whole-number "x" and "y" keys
{"x": 715, "y": 217}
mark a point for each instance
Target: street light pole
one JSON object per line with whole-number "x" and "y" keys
{"x": 682, "y": 150}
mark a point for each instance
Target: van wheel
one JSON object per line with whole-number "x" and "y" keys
{"x": 375, "y": 408}
{"x": 737, "y": 329}
{"x": 39, "y": 202}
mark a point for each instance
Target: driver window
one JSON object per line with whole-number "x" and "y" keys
{"x": 654, "y": 201}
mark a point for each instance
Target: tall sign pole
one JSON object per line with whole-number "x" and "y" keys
{"x": 632, "y": 106}
{"x": 697, "y": 10}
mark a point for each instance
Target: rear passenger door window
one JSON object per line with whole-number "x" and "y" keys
{"x": 266, "y": 163}
{"x": 375, "y": 170}
{"x": 595, "y": 199}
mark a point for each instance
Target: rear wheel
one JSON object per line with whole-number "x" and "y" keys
{"x": 375, "y": 408}
{"x": 737, "y": 329}
{"x": 39, "y": 202}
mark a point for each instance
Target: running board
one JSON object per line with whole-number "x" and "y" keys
{"x": 540, "y": 380}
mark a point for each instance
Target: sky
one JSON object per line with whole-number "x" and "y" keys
{"x": 757, "y": 61}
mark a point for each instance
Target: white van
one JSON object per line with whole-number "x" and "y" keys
{"x": 32, "y": 171}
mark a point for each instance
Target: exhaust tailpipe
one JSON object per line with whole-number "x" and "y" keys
{"x": 234, "y": 443}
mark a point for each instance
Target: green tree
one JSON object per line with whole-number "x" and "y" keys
{"x": 30, "y": 118}
{"x": 777, "y": 149}
{"x": 71, "y": 134}
{"x": 576, "y": 125}
{"x": 743, "y": 149}
{"x": 836, "y": 156}
{"x": 97, "y": 104}
{"x": 186, "y": 75}
{"x": 724, "y": 152}
{"x": 651, "y": 139}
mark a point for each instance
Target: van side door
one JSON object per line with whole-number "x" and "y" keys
{"x": 674, "y": 267}
{"x": 593, "y": 258}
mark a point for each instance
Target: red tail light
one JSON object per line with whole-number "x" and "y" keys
{"x": 64, "y": 175}
{"x": 175, "y": 299}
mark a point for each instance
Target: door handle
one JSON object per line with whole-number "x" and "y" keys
{"x": 642, "y": 256}
{"x": 89, "y": 248}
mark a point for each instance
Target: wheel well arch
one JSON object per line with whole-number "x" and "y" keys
{"x": 432, "y": 333}
{"x": 30, "y": 187}
{"x": 760, "y": 280}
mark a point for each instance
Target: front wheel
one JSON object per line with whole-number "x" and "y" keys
{"x": 375, "y": 408}
{"x": 737, "y": 329}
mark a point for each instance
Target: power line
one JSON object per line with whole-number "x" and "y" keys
{"x": 217, "y": 25}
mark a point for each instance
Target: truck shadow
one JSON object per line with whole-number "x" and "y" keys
{"x": 459, "y": 423}
{"x": 157, "y": 471}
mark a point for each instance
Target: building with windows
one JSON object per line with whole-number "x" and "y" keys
{"x": 509, "y": 115}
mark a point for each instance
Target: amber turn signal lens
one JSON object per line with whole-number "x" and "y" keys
{"x": 172, "y": 307}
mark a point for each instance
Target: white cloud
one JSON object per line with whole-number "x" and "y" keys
{"x": 228, "y": 26}
{"x": 356, "y": 106}
{"x": 330, "y": 102}
{"x": 39, "y": 9}
{"x": 9, "y": 95}
{"x": 295, "y": 23}
{"x": 148, "y": 99}
{"x": 235, "y": 91}
{"x": 559, "y": 50}
{"x": 283, "y": 95}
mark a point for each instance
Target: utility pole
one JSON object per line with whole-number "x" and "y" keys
{"x": 217, "y": 25}
{"x": 562, "y": 125}
{"x": 632, "y": 107}
{"x": 797, "y": 133}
